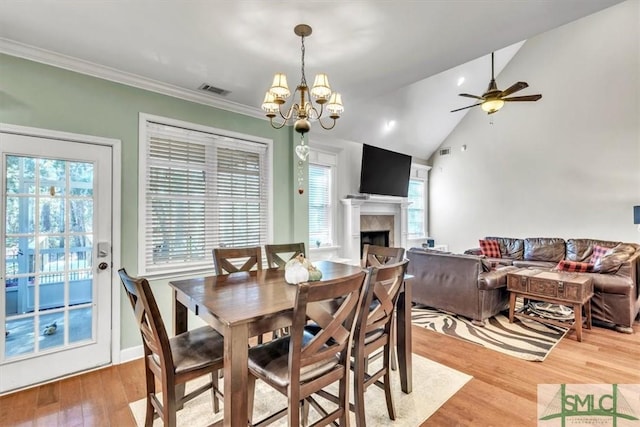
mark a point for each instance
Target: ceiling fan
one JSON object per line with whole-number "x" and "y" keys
{"x": 493, "y": 99}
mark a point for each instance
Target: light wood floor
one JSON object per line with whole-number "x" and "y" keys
{"x": 501, "y": 393}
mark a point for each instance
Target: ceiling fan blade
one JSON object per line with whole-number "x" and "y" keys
{"x": 468, "y": 95}
{"x": 513, "y": 88}
{"x": 464, "y": 108}
{"x": 523, "y": 98}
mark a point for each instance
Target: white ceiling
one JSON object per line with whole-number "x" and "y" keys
{"x": 391, "y": 60}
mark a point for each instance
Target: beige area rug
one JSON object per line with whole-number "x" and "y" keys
{"x": 433, "y": 385}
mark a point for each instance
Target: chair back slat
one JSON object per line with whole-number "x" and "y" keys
{"x": 377, "y": 256}
{"x": 379, "y": 303}
{"x": 154, "y": 335}
{"x": 247, "y": 258}
{"x": 279, "y": 254}
{"x": 333, "y": 306}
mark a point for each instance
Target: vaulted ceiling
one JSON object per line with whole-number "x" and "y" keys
{"x": 395, "y": 62}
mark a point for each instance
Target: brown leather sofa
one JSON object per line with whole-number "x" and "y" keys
{"x": 460, "y": 284}
{"x": 616, "y": 300}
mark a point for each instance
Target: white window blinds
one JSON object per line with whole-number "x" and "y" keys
{"x": 201, "y": 191}
{"x": 415, "y": 212}
{"x": 320, "y": 205}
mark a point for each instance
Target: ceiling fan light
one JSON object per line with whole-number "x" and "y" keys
{"x": 492, "y": 105}
{"x": 321, "y": 89}
{"x": 279, "y": 88}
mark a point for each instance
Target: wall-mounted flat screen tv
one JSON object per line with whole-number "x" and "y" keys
{"x": 384, "y": 172}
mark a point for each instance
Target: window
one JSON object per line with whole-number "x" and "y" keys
{"x": 416, "y": 210}
{"x": 320, "y": 206}
{"x": 198, "y": 190}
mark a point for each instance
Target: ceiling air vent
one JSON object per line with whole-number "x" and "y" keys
{"x": 445, "y": 151}
{"x": 213, "y": 89}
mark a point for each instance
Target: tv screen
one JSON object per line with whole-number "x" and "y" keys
{"x": 384, "y": 172}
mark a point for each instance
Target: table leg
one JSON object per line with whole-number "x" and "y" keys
{"x": 404, "y": 338}
{"x": 577, "y": 311}
{"x": 512, "y": 305}
{"x": 587, "y": 311}
{"x": 236, "y": 371}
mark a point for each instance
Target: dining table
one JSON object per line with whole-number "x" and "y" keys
{"x": 242, "y": 305}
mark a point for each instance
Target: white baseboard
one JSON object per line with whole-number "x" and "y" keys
{"x": 131, "y": 353}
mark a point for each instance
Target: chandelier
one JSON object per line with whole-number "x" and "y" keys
{"x": 302, "y": 111}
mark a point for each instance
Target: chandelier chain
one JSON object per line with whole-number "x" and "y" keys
{"x": 304, "y": 78}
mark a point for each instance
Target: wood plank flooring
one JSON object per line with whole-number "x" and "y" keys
{"x": 501, "y": 393}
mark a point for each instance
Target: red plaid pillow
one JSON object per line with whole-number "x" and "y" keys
{"x": 574, "y": 266}
{"x": 490, "y": 248}
{"x": 597, "y": 254}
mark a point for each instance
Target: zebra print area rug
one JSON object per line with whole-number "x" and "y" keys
{"x": 525, "y": 339}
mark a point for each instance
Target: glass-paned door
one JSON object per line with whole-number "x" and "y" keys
{"x": 56, "y": 205}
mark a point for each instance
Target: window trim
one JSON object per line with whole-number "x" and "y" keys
{"x": 144, "y": 118}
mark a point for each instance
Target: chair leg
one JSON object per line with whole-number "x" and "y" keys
{"x": 214, "y": 397}
{"x": 169, "y": 404}
{"x": 394, "y": 343}
{"x": 358, "y": 389}
{"x": 251, "y": 389}
{"x": 151, "y": 391}
{"x": 387, "y": 381}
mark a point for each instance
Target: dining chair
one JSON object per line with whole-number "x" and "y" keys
{"x": 250, "y": 257}
{"x": 373, "y": 331}
{"x": 279, "y": 254}
{"x": 301, "y": 364}
{"x": 375, "y": 256}
{"x": 172, "y": 361}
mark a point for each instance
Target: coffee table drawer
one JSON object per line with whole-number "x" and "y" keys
{"x": 545, "y": 287}
{"x": 517, "y": 283}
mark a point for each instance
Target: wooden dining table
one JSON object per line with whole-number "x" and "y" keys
{"x": 246, "y": 304}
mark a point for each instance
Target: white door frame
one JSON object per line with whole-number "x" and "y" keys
{"x": 116, "y": 146}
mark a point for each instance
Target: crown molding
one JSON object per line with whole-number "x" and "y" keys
{"x": 54, "y": 59}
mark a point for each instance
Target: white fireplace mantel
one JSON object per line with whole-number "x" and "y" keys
{"x": 374, "y": 205}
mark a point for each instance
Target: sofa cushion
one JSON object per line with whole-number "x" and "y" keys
{"x": 510, "y": 247}
{"x": 574, "y": 266}
{"x": 550, "y": 249}
{"x": 490, "y": 248}
{"x": 582, "y": 249}
{"x": 613, "y": 258}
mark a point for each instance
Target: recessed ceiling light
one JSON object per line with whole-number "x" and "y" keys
{"x": 390, "y": 124}
{"x": 460, "y": 81}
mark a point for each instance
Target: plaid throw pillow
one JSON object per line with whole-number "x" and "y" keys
{"x": 490, "y": 248}
{"x": 597, "y": 254}
{"x": 574, "y": 266}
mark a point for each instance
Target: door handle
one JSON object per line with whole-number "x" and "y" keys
{"x": 103, "y": 266}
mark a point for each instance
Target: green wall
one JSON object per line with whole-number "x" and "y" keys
{"x": 42, "y": 96}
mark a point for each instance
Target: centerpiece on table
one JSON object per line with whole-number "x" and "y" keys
{"x": 299, "y": 270}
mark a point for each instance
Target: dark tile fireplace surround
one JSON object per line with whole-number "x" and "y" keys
{"x": 374, "y": 237}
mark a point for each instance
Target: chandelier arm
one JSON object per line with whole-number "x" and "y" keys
{"x": 275, "y": 125}
{"x": 333, "y": 124}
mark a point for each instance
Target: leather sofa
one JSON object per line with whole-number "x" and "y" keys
{"x": 616, "y": 300}
{"x": 460, "y": 284}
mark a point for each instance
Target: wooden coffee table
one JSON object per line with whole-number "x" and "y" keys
{"x": 556, "y": 287}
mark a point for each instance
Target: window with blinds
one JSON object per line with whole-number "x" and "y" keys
{"x": 200, "y": 190}
{"x": 415, "y": 211}
{"x": 320, "y": 209}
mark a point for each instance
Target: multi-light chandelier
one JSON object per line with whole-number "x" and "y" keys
{"x": 301, "y": 113}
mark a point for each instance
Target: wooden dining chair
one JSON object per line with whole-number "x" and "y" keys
{"x": 373, "y": 332}
{"x": 279, "y": 254}
{"x": 375, "y": 256}
{"x": 172, "y": 361}
{"x": 248, "y": 258}
{"x": 301, "y": 364}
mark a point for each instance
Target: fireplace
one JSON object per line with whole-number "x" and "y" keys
{"x": 375, "y": 237}
{"x": 375, "y": 214}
